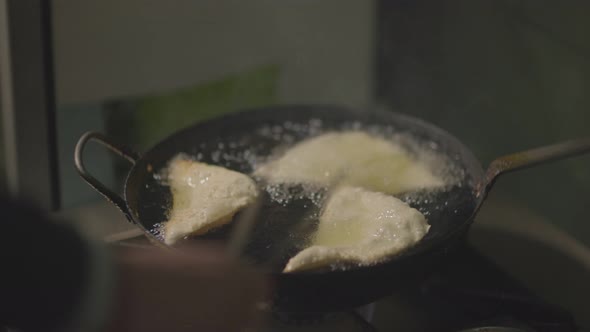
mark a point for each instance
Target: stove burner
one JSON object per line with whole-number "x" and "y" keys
{"x": 300, "y": 318}
{"x": 472, "y": 292}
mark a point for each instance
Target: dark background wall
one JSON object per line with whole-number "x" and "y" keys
{"x": 502, "y": 76}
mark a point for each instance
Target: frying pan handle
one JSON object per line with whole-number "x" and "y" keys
{"x": 529, "y": 158}
{"x": 122, "y": 151}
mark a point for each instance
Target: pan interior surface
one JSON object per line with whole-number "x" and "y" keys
{"x": 289, "y": 214}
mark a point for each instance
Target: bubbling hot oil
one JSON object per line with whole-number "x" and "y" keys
{"x": 288, "y": 218}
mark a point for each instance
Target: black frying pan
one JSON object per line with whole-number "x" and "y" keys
{"x": 230, "y": 141}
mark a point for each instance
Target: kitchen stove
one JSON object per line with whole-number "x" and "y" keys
{"x": 508, "y": 277}
{"x": 352, "y": 321}
{"x": 470, "y": 292}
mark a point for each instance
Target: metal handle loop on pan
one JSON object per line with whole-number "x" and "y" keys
{"x": 529, "y": 158}
{"x": 122, "y": 151}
